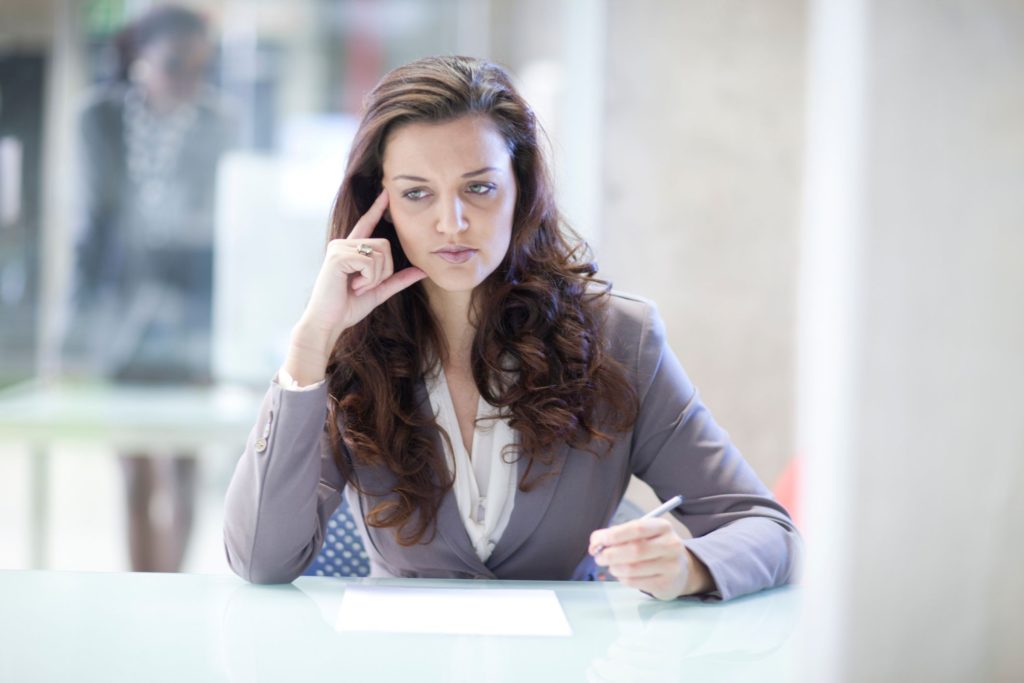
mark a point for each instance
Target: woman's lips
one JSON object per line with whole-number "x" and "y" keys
{"x": 457, "y": 255}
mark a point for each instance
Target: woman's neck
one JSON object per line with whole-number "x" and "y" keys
{"x": 160, "y": 106}
{"x": 451, "y": 310}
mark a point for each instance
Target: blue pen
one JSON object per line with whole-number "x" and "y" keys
{"x": 670, "y": 504}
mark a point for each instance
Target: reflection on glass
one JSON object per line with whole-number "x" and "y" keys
{"x": 703, "y": 641}
{"x": 150, "y": 142}
{"x": 152, "y": 116}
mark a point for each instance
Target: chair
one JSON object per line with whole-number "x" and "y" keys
{"x": 626, "y": 511}
{"x": 343, "y": 553}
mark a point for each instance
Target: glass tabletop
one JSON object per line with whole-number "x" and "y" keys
{"x": 176, "y": 627}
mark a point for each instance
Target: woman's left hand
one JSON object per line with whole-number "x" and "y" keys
{"x": 649, "y": 555}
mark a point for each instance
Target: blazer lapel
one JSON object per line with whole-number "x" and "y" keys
{"x": 453, "y": 530}
{"x": 530, "y": 506}
{"x": 450, "y": 526}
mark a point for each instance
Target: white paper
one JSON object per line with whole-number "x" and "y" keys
{"x": 484, "y": 611}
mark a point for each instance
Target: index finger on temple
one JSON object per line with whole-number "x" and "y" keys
{"x": 366, "y": 224}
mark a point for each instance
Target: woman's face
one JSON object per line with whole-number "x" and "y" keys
{"x": 452, "y": 196}
{"x": 171, "y": 69}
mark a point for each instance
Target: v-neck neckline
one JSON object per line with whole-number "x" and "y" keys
{"x": 530, "y": 506}
{"x": 479, "y": 466}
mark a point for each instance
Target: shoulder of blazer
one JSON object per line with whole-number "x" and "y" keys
{"x": 628, "y": 317}
{"x": 619, "y": 294}
{"x": 629, "y": 320}
{"x": 105, "y": 102}
{"x": 101, "y": 126}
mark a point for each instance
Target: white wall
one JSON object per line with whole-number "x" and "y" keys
{"x": 920, "y": 576}
{"x": 704, "y": 103}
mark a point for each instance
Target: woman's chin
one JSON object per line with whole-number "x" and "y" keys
{"x": 452, "y": 282}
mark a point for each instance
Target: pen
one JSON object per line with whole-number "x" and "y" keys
{"x": 670, "y": 504}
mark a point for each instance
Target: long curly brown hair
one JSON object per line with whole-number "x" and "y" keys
{"x": 539, "y": 314}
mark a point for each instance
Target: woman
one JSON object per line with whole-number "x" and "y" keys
{"x": 142, "y": 311}
{"x": 486, "y": 399}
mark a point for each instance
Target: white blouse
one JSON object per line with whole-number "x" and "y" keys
{"x": 485, "y": 484}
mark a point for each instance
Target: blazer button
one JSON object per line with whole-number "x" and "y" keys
{"x": 261, "y": 445}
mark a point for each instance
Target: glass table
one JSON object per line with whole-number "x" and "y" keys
{"x": 57, "y": 626}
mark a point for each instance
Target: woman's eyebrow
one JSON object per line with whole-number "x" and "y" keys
{"x": 418, "y": 179}
{"x": 485, "y": 169}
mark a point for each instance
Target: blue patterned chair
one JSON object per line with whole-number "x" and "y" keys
{"x": 343, "y": 553}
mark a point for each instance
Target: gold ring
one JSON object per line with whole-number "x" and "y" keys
{"x": 364, "y": 249}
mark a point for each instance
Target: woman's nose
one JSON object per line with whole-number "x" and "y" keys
{"x": 452, "y": 219}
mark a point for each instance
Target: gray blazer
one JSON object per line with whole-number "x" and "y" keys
{"x": 286, "y": 486}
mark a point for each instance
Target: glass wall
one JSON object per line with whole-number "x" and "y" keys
{"x": 166, "y": 174}
{"x": 164, "y": 204}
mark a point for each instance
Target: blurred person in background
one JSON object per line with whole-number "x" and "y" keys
{"x": 144, "y": 250}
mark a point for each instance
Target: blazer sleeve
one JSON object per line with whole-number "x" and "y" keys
{"x": 745, "y": 538}
{"x": 284, "y": 488}
{"x": 98, "y": 187}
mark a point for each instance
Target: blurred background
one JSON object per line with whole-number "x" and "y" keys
{"x": 824, "y": 199}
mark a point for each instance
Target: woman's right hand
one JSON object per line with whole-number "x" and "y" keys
{"x": 350, "y": 285}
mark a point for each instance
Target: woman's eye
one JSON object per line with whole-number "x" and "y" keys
{"x": 482, "y": 188}
{"x": 415, "y": 194}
